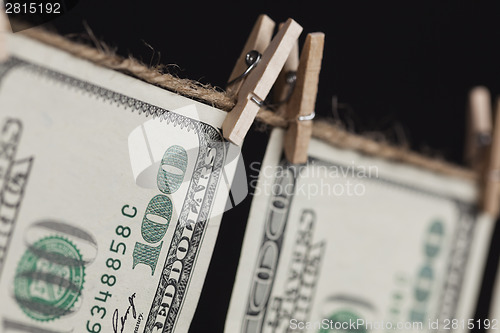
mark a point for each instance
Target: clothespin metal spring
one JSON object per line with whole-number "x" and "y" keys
{"x": 252, "y": 60}
{"x": 310, "y": 116}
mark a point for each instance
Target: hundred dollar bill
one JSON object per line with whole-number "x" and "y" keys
{"x": 111, "y": 194}
{"x": 348, "y": 243}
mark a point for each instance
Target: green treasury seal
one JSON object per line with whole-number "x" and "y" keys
{"x": 49, "y": 278}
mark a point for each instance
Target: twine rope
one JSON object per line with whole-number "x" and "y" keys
{"x": 322, "y": 130}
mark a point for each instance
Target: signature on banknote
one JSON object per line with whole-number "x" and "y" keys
{"x": 123, "y": 319}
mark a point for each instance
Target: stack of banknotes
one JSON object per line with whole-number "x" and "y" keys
{"x": 112, "y": 193}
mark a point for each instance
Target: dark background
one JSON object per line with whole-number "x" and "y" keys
{"x": 403, "y": 68}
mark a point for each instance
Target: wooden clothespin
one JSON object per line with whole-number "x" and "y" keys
{"x": 490, "y": 200}
{"x": 482, "y": 151}
{"x": 300, "y": 106}
{"x": 258, "y": 82}
{"x": 4, "y": 28}
{"x": 285, "y": 82}
{"x": 259, "y": 39}
{"x": 482, "y": 147}
{"x": 479, "y": 128}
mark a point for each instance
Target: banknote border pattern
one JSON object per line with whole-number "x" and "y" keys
{"x": 209, "y": 137}
{"x": 458, "y": 255}
{"x": 11, "y": 174}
